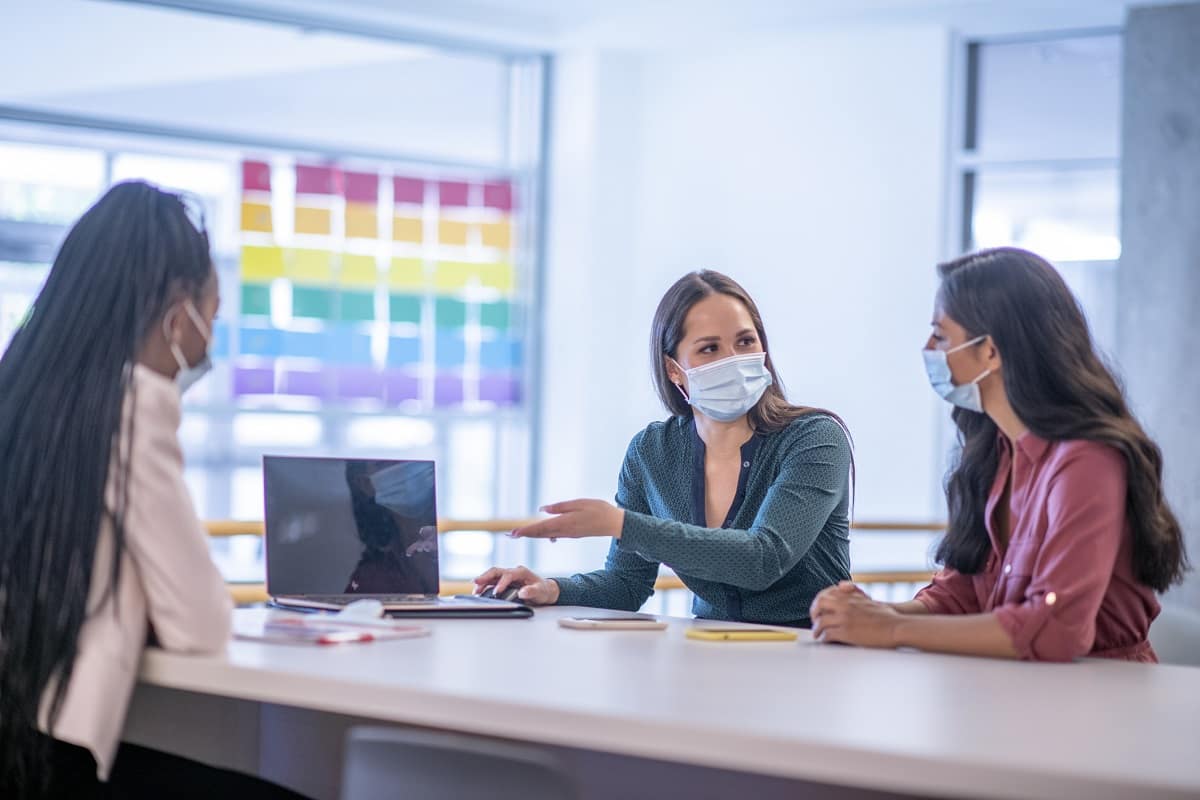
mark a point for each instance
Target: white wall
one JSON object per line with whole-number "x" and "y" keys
{"x": 810, "y": 168}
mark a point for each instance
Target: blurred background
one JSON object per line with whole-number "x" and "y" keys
{"x": 442, "y": 228}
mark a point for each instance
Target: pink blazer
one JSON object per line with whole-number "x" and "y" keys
{"x": 168, "y": 581}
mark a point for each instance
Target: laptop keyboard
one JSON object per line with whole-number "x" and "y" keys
{"x": 386, "y": 599}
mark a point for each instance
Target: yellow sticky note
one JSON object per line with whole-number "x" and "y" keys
{"x": 262, "y": 263}
{"x": 406, "y": 273}
{"x": 498, "y": 276}
{"x": 256, "y": 217}
{"x": 454, "y": 275}
{"x": 362, "y": 221}
{"x": 407, "y": 229}
{"x": 310, "y": 266}
{"x": 314, "y": 220}
{"x": 358, "y": 271}
{"x": 452, "y": 232}
{"x": 497, "y": 234}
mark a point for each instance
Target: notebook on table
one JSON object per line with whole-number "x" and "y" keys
{"x": 345, "y": 529}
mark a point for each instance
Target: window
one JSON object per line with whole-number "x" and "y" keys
{"x": 371, "y": 206}
{"x": 1038, "y": 160}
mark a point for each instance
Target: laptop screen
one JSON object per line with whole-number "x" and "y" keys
{"x": 350, "y": 526}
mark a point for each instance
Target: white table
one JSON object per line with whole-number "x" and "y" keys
{"x": 806, "y": 711}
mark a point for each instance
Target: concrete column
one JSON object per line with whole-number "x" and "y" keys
{"x": 1158, "y": 320}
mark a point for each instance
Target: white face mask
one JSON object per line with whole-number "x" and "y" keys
{"x": 725, "y": 390}
{"x": 188, "y": 374}
{"x": 937, "y": 367}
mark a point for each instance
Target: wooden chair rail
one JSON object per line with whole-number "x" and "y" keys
{"x": 225, "y": 527}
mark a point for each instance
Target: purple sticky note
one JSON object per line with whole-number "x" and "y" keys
{"x": 253, "y": 380}
{"x": 503, "y": 390}
{"x": 359, "y": 383}
{"x": 448, "y": 390}
{"x": 304, "y": 384}
{"x": 399, "y": 387}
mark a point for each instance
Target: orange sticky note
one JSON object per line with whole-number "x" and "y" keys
{"x": 317, "y": 221}
{"x": 362, "y": 221}
{"x": 452, "y": 232}
{"x": 407, "y": 229}
{"x": 497, "y": 234}
{"x": 256, "y": 217}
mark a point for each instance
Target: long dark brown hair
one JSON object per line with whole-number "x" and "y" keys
{"x": 772, "y": 412}
{"x": 1060, "y": 388}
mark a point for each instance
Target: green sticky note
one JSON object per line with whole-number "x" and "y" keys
{"x": 358, "y": 306}
{"x": 450, "y": 313}
{"x": 405, "y": 308}
{"x": 256, "y": 299}
{"x": 495, "y": 315}
{"x": 308, "y": 301}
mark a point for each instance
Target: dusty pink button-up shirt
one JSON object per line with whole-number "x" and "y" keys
{"x": 1065, "y": 587}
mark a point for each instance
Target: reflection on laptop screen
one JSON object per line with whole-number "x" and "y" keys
{"x": 350, "y": 526}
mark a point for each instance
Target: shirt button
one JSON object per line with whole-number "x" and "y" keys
{"x": 745, "y": 465}
{"x": 1051, "y": 598}
{"x": 1007, "y": 569}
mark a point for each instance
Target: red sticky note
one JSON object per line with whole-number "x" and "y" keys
{"x": 362, "y": 187}
{"x": 317, "y": 180}
{"x": 498, "y": 195}
{"x": 256, "y": 176}
{"x": 408, "y": 190}
{"x": 452, "y": 193}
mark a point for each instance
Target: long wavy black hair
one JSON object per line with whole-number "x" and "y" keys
{"x": 1060, "y": 388}
{"x": 63, "y": 380}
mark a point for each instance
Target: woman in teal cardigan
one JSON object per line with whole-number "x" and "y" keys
{"x": 744, "y": 495}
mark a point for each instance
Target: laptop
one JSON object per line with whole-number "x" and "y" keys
{"x": 345, "y": 529}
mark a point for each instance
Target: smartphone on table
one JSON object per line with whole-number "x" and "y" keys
{"x": 627, "y": 622}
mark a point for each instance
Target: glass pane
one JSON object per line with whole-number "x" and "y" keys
{"x": 48, "y": 184}
{"x": 19, "y": 286}
{"x": 466, "y": 488}
{"x": 1071, "y": 218}
{"x": 251, "y": 79}
{"x": 276, "y": 430}
{"x": 1050, "y": 99}
{"x": 1067, "y": 215}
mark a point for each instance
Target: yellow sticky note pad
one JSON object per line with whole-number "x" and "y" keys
{"x": 256, "y": 217}
{"x": 498, "y": 276}
{"x": 317, "y": 221}
{"x": 362, "y": 221}
{"x": 310, "y": 266}
{"x": 497, "y": 234}
{"x": 453, "y": 275}
{"x": 452, "y": 232}
{"x": 406, "y": 273}
{"x": 407, "y": 229}
{"x": 358, "y": 271}
{"x": 262, "y": 263}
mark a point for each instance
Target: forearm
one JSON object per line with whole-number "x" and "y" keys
{"x": 966, "y": 634}
{"x": 601, "y": 589}
{"x": 910, "y": 607}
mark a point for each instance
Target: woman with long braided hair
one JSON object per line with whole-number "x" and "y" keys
{"x": 100, "y": 547}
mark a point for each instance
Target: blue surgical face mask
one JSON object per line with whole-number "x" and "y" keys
{"x": 725, "y": 390}
{"x": 406, "y": 488}
{"x": 189, "y": 373}
{"x": 937, "y": 366}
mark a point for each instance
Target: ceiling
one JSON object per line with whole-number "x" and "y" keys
{"x": 555, "y": 24}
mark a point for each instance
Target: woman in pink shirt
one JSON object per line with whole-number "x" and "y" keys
{"x": 1059, "y": 535}
{"x": 100, "y": 549}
